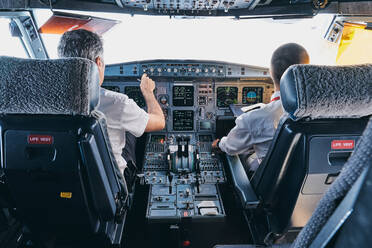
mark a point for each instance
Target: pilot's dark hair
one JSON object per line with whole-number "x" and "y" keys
{"x": 285, "y": 56}
{"x": 80, "y": 43}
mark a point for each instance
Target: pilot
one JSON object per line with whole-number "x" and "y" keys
{"x": 252, "y": 135}
{"x": 124, "y": 118}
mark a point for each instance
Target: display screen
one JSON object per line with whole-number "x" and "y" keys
{"x": 183, "y": 120}
{"x": 227, "y": 96}
{"x": 112, "y": 88}
{"x": 157, "y": 139}
{"x": 134, "y": 92}
{"x": 205, "y": 125}
{"x": 252, "y": 95}
{"x": 183, "y": 95}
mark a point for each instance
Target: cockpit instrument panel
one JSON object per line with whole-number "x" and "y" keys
{"x": 183, "y": 95}
{"x": 252, "y": 95}
{"x": 183, "y": 172}
{"x": 183, "y": 120}
{"x": 195, "y": 96}
{"x": 226, "y": 95}
{"x": 134, "y": 92}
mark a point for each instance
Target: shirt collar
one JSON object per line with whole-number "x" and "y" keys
{"x": 276, "y": 94}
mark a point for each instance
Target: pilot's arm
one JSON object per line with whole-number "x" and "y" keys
{"x": 156, "y": 117}
{"x": 239, "y": 139}
{"x": 250, "y": 129}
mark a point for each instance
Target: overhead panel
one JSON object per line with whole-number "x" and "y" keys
{"x": 192, "y": 6}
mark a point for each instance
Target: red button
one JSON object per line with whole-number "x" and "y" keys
{"x": 186, "y": 243}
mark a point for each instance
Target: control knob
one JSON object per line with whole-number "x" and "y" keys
{"x": 163, "y": 100}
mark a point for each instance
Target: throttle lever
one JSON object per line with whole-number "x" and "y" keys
{"x": 170, "y": 179}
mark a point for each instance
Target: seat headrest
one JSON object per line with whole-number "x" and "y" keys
{"x": 68, "y": 86}
{"x": 319, "y": 92}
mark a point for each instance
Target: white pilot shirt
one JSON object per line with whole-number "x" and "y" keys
{"x": 254, "y": 129}
{"x": 122, "y": 114}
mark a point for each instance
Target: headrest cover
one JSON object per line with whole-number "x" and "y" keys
{"x": 321, "y": 92}
{"x": 68, "y": 86}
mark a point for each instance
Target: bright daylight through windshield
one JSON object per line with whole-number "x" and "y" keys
{"x": 224, "y": 39}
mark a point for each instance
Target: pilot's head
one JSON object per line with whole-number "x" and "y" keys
{"x": 285, "y": 56}
{"x": 84, "y": 44}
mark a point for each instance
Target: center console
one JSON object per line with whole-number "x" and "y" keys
{"x": 180, "y": 167}
{"x": 183, "y": 174}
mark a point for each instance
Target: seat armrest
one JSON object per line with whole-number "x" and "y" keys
{"x": 241, "y": 183}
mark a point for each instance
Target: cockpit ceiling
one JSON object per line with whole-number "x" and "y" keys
{"x": 190, "y": 8}
{"x": 191, "y": 5}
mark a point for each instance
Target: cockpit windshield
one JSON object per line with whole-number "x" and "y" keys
{"x": 214, "y": 38}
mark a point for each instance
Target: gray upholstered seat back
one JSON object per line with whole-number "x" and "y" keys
{"x": 67, "y": 86}
{"x": 327, "y": 91}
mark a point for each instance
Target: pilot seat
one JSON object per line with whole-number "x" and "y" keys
{"x": 327, "y": 110}
{"x": 63, "y": 180}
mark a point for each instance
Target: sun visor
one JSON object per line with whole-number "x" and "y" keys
{"x": 355, "y": 45}
{"x": 61, "y": 22}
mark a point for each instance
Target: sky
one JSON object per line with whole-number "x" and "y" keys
{"x": 217, "y": 38}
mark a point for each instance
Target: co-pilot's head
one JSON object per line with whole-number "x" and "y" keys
{"x": 285, "y": 56}
{"x": 84, "y": 44}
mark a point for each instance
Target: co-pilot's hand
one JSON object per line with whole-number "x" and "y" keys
{"x": 214, "y": 144}
{"x": 147, "y": 85}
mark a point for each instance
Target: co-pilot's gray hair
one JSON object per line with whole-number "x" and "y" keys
{"x": 80, "y": 43}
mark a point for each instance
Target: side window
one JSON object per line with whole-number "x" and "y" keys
{"x": 10, "y": 46}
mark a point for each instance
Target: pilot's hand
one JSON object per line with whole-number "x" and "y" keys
{"x": 214, "y": 144}
{"x": 147, "y": 85}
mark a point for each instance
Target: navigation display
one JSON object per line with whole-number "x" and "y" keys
{"x": 134, "y": 92}
{"x": 227, "y": 96}
{"x": 183, "y": 95}
{"x": 183, "y": 120}
{"x": 252, "y": 95}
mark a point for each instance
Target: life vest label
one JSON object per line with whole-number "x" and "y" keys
{"x": 38, "y": 139}
{"x": 342, "y": 144}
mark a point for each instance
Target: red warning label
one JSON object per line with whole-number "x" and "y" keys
{"x": 38, "y": 139}
{"x": 342, "y": 144}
